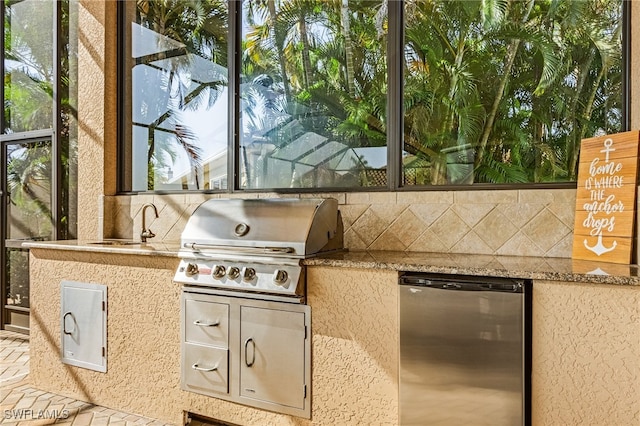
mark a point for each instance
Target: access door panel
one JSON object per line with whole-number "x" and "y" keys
{"x": 83, "y": 325}
{"x": 272, "y": 364}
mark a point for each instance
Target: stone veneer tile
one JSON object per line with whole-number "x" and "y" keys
{"x": 269, "y": 195}
{"x": 351, "y": 213}
{"x": 546, "y": 230}
{"x": 425, "y": 197}
{"x": 199, "y": 198}
{"x": 353, "y": 241}
{"x": 472, "y": 213}
{"x": 389, "y": 213}
{"x": 383, "y": 197}
{"x": 471, "y": 243}
{"x": 407, "y": 227}
{"x": 520, "y": 214}
{"x": 428, "y": 242}
{"x": 566, "y": 212}
{"x": 547, "y": 196}
{"x": 495, "y": 229}
{"x": 449, "y": 228}
{"x": 123, "y": 222}
{"x": 377, "y": 217}
{"x": 341, "y": 197}
{"x": 369, "y": 227}
{"x": 564, "y": 248}
{"x": 370, "y": 197}
{"x": 520, "y": 245}
{"x": 358, "y": 198}
{"x": 429, "y": 213}
{"x": 388, "y": 241}
{"x": 478, "y": 197}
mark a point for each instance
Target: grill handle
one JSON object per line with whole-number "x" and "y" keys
{"x": 260, "y": 250}
{"x": 205, "y": 369}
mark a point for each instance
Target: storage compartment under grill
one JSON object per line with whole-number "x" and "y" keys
{"x": 260, "y": 357}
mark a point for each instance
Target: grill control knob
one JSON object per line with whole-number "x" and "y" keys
{"x": 192, "y": 269}
{"x": 233, "y": 272}
{"x": 218, "y": 271}
{"x": 248, "y": 274}
{"x": 280, "y": 277}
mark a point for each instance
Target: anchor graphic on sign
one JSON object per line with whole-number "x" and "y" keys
{"x": 599, "y": 248}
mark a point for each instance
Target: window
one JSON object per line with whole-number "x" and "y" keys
{"x": 313, "y": 94}
{"x": 504, "y": 91}
{"x": 177, "y": 103}
{"x": 365, "y": 93}
{"x": 38, "y": 140}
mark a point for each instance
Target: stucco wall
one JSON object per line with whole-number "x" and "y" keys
{"x": 586, "y": 344}
{"x": 97, "y": 116}
{"x": 354, "y": 342}
{"x": 355, "y": 346}
{"x": 586, "y": 347}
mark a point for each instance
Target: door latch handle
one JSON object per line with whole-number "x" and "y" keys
{"x": 205, "y": 369}
{"x": 246, "y": 350}
{"x": 206, "y": 323}
{"x": 64, "y": 323}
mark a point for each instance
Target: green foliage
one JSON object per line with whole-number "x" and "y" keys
{"x": 515, "y": 85}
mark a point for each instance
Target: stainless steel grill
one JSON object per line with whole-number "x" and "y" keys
{"x": 256, "y": 246}
{"x": 245, "y": 325}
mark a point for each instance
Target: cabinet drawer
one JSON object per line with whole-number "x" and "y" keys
{"x": 205, "y": 369}
{"x": 206, "y": 322}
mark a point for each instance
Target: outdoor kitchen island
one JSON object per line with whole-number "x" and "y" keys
{"x": 586, "y": 334}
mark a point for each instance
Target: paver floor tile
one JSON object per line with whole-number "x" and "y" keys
{"x": 23, "y": 405}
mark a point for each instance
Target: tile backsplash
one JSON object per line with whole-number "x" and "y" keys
{"x": 505, "y": 222}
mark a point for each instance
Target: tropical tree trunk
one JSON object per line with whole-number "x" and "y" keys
{"x": 439, "y": 161}
{"x": 279, "y": 41}
{"x": 306, "y": 59}
{"x": 348, "y": 48}
{"x": 574, "y": 138}
{"x": 512, "y": 51}
{"x": 491, "y": 117}
{"x": 586, "y": 116}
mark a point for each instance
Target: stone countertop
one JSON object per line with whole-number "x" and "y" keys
{"x": 536, "y": 268}
{"x": 115, "y": 246}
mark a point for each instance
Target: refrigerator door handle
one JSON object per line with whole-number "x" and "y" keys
{"x": 510, "y": 287}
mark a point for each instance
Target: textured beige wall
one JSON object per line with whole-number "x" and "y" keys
{"x": 586, "y": 354}
{"x": 354, "y": 341}
{"x": 586, "y": 346}
{"x": 96, "y": 113}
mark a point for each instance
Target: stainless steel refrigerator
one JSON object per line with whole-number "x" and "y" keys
{"x": 464, "y": 350}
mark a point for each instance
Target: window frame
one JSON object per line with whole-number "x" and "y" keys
{"x": 395, "y": 121}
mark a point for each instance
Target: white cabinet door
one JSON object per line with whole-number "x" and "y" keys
{"x": 272, "y": 357}
{"x": 83, "y": 325}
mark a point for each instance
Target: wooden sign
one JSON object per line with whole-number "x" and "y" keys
{"x": 606, "y": 198}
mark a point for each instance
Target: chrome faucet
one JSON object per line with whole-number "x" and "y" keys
{"x": 147, "y": 233}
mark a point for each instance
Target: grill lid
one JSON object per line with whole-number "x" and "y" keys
{"x": 278, "y": 226}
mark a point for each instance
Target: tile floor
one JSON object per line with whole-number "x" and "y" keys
{"x": 21, "y": 404}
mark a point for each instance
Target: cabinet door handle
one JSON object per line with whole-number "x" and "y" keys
{"x": 206, "y": 324}
{"x": 64, "y": 323}
{"x": 246, "y": 355}
{"x": 207, "y": 369}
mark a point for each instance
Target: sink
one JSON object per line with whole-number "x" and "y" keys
{"x": 115, "y": 243}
